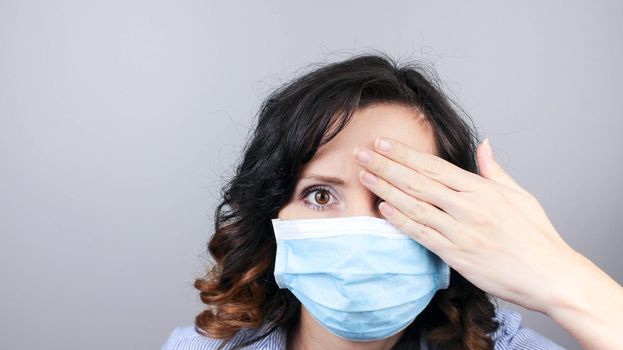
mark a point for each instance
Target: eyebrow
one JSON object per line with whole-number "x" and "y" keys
{"x": 323, "y": 178}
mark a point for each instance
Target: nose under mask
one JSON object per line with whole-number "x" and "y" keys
{"x": 360, "y": 276}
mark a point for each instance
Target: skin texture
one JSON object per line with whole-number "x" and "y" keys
{"x": 353, "y": 198}
{"x": 469, "y": 220}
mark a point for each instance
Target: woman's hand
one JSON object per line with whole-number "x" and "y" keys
{"x": 486, "y": 227}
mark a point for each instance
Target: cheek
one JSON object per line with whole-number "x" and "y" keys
{"x": 283, "y": 213}
{"x": 296, "y": 210}
{"x": 289, "y": 211}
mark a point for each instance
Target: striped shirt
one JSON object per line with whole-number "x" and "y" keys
{"x": 511, "y": 335}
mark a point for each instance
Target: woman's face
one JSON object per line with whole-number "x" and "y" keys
{"x": 329, "y": 185}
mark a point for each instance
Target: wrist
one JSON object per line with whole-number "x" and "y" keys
{"x": 572, "y": 289}
{"x": 587, "y": 303}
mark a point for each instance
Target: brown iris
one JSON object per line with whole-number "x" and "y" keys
{"x": 322, "y": 197}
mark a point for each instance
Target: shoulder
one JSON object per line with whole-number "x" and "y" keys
{"x": 513, "y": 335}
{"x": 187, "y": 338}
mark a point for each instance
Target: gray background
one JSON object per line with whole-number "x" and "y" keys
{"x": 119, "y": 121}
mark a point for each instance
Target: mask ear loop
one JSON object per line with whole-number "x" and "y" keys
{"x": 279, "y": 257}
{"x": 444, "y": 276}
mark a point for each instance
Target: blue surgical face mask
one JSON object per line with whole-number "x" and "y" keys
{"x": 359, "y": 276}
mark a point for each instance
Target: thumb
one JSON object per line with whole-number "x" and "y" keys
{"x": 490, "y": 169}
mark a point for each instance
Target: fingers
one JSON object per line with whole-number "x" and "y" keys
{"x": 418, "y": 211}
{"x": 429, "y": 165}
{"x": 427, "y": 236}
{"x": 410, "y": 181}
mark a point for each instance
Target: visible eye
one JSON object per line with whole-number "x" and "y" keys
{"x": 317, "y": 194}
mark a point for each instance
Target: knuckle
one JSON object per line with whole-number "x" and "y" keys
{"x": 422, "y": 232}
{"x": 480, "y": 218}
{"x": 416, "y": 184}
{"x": 401, "y": 155}
{"x": 475, "y": 243}
{"x": 463, "y": 201}
{"x": 482, "y": 182}
{"x": 379, "y": 166}
{"x": 417, "y": 210}
{"x": 400, "y": 221}
{"x": 433, "y": 166}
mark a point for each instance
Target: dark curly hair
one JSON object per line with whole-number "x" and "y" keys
{"x": 293, "y": 122}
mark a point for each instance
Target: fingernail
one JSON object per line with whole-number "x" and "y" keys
{"x": 363, "y": 155}
{"x": 386, "y": 209}
{"x": 384, "y": 145}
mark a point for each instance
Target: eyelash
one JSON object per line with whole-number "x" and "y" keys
{"x": 324, "y": 207}
{"x": 312, "y": 189}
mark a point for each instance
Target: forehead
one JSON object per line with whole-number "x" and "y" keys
{"x": 405, "y": 124}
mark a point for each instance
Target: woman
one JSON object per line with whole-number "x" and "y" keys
{"x": 362, "y": 147}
